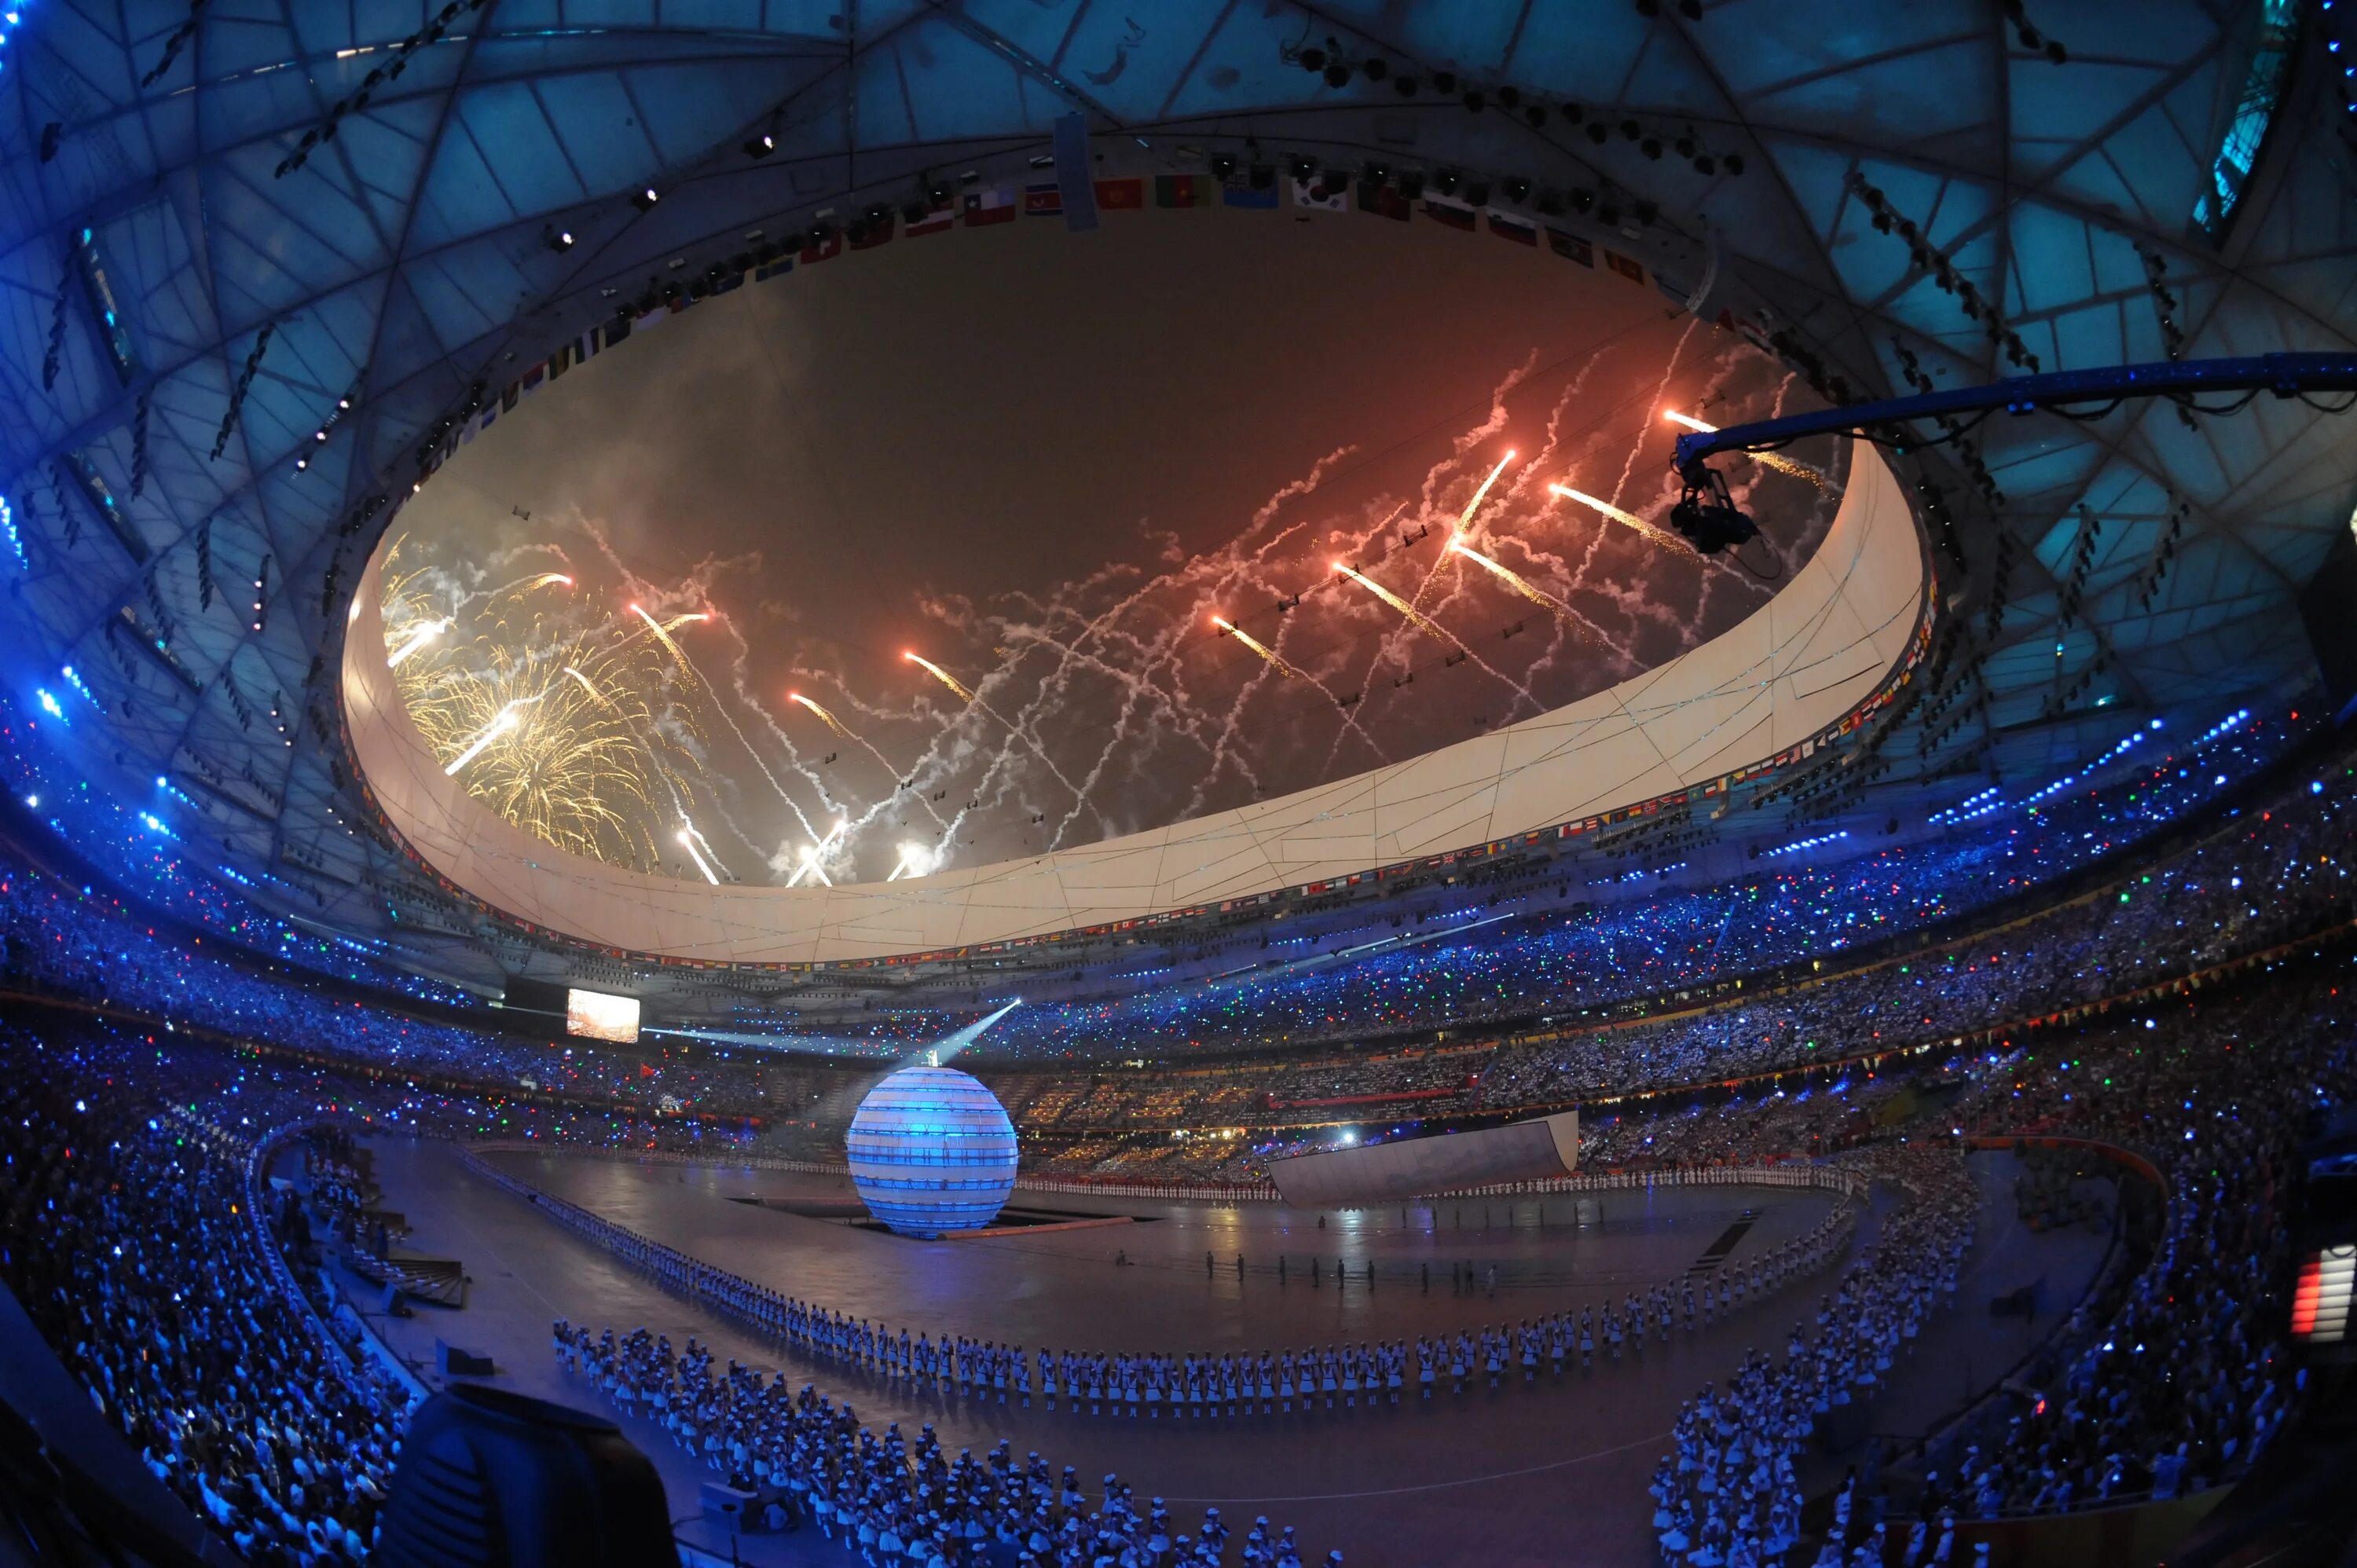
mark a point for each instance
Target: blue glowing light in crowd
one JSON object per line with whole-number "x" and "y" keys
{"x": 49, "y": 703}
{"x": 931, "y": 1152}
{"x": 1798, "y": 844}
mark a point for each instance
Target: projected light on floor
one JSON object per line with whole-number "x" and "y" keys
{"x": 932, "y": 1150}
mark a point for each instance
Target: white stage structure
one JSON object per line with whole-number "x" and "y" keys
{"x": 1789, "y": 672}
{"x": 1382, "y": 1172}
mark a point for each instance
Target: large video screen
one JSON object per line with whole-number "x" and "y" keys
{"x": 598, "y": 1017}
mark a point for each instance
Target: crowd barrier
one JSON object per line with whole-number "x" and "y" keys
{"x": 1196, "y": 1192}
{"x": 343, "y": 1357}
{"x": 1794, "y": 1173}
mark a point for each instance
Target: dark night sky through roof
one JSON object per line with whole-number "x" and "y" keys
{"x": 1045, "y": 460}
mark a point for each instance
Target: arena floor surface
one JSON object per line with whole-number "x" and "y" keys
{"x": 1551, "y": 1475}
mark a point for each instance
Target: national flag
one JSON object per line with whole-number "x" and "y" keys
{"x": 1506, "y": 226}
{"x": 1627, "y": 266}
{"x": 992, "y": 204}
{"x": 1121, "y": 195}
{"x": 1571, "y": 247}
{"x": 824, "y": 249}
{"x": 1383, "y": 201}
{"x": 936, "y": 221}
{"x": 1317, "y": 197}
{"x": 1191, "y": 190}
{"x": 1455, "y": 214}
{"x": 1043, "y": 201}
{"x": 872, "y": 232}
{"x": 1262, "y": 198}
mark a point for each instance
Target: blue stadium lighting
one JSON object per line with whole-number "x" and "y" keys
{"x": 9, "y": 526}
{"x": 2126, "y": 743}
{"x": 74, "y": 679}
{"x": 2238, "y": 716}
{"x": 1969, "y": 807}
{"x": 1798, "y": 844}
{"x": 50, "y": 703}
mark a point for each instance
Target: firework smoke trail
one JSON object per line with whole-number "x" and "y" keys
{"x": 1776, "y": 460}
{"x": 1416, "y": 617}
{"x": 663, "y": 631}
{"x": 938, "y": 673}
{"x": 829, "y": 720}
{"x": 1669, "y": 369}
{"x": 1017, "y": 731}
{"x": 1274, "y": 662}
{"x": 526, "y": 584}
{"x": 856, "y": 738}
{"x": 1521, "y": 585}
{"x": 1618, "y": 514}
{"x": 1436, "y": 630}
{"x": 1158, "y": 655}
{"x": 1465, "y": 518}
{"x": 687, "y": 837}
{"x": 663, "y": 774}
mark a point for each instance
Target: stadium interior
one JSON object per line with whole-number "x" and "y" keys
{"x": 1009, "y": 784}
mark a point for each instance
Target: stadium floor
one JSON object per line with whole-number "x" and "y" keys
{"x": 1554, "y": 1474}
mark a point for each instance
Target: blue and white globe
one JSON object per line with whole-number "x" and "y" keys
{"x": 931, "y": 1152}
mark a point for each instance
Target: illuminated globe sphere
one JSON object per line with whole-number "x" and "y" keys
{"x": 931, "y": 1152}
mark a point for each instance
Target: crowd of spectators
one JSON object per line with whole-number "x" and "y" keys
{"x": 2184, "y": 1384}
{"x": 125, "y": 1225}
{"x": 124, "y": 1233}
{"x": 1544, "y": 951}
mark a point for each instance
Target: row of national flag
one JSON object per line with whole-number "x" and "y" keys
{"x": 986, "y": 205}
{"x": 1005, "y": 204}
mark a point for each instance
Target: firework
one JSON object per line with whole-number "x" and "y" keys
{"x": 503, "y": 722}
{"x": 526, "y": 584}
{"x": 1479, "y": 495}
{"x": 414, "y": 641}
{"x": 938, "y": 673}
{"x": 828, "y": 719}
{"x": 1617, "y": 514}
{"x": 663, "y": 631}
{"x": 1275, "y": 662}
{"x": 1517, "y": 582}
{"x": 816, "y": 852}
{"x": 1422, "y": 622}
{"x": 553, "y": 726}
{"x": 687, "y": 837}
{"x": 1776, "y": 460}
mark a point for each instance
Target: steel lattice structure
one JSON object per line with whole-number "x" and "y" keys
{"x": 247, "y": 235}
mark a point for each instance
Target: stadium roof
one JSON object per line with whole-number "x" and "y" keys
{"x": 257, "y": 263}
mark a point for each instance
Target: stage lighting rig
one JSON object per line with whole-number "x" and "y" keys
{"x": 1706, "y": 514}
